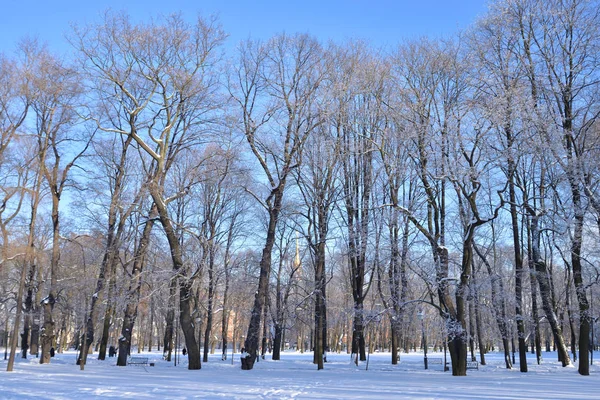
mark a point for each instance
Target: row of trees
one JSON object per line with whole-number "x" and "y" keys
{"x": 455, "y": 176}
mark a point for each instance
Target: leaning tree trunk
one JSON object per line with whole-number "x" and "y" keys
{"x": 251, "y": 342}
{"x": 133, "y": 294}
{"x": 546, "y": 292}
{"x": 187, "y": 324}
{"x": 499, "y": 307}
{"x": 170, "y": 321}
{"x": 113, "y": 234}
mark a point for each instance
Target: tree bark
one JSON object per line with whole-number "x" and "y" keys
{"x": 211, "y": 296}
{"x": 133, "y": 293}
{"x": 546, "y": 292}
{"x": 251, "y": 342}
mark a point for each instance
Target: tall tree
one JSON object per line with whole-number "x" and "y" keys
{"x": 275, "y": 85}
{"x": 319, "y": 190}
{"x": 359, "y": 117}
{"x": 164, "y": 85}
{"x": 56, "y": 90}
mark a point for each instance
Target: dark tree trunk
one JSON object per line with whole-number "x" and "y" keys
{"x": 477, "y": 310}
{"x": 569, "y": 313}
{"x": 170, "y": 321}
{"x": 277, "y": 341}
{"x": 534, "y": 303}
{"x": 29, "y": 311}
{"x": 113, "y": 234}
{"x": 133, "y": 294}
{"x": 358, "y": 337}
{"x": 225, "y": 316}
{"x": 109, "y": 312}
{"x": 187, "y": 324}
{"x": 584, "y": 315}
{"x": 47, "y": 335}
{"x": 518, "y": 260}
{"x": 472, "y": 329}
{"x": 320, "y": 308}
{"x": 251, "y": 342}
{"x": 211, "y": 295}
{"x": 265, "y": 325}
{"x": 457, "y": 347}
{"x": 25, "y": 336}
{"x": 546, "y": 292}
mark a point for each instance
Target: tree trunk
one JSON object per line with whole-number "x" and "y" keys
{"x": 584, "y": 315}
{"x": 211, "y": 295}
{"x": 546, "y": 292}
{"x": 534, "y": 303}
{"x": 480, "y": 340}
{"x": 29, "y": 311}
{"x": 170, "y": 321}
{"x": 225, "y": 318}
{"x": 277, "y": 341}
{"x": 358, "y": 337}
{"x": 18, "y": 314}
{"x": 47, "y": 335}
{"x": 457, "y": 347}
{"x": 265, "y": 325}
{"x": 109, "y": 312}
{"x": 187, "y": 324}
{"x": 518, "y": 260}
{"x": 133, "y": 293}
{"x": 251, "y": 342}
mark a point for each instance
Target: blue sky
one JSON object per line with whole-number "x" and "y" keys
{"x": 381, "y": 22}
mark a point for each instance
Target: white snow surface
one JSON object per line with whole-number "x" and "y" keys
{"x": 294, "y": 377}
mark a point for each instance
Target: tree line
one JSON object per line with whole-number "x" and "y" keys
{"x": 292, "y": 193}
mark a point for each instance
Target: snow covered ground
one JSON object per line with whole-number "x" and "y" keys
{"x": 294, "y": 377}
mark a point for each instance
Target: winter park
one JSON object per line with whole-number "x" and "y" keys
{"x": 336, "y": 199}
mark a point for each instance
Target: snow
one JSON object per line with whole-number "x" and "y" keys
{"x": 293, "y": 377}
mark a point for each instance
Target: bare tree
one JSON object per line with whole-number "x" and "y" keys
{"x": 359, "y": 118}
{"x": 275, "y": 86}
{"x": 56, "y": 87}
{"x": 320, "y": 190}
{"x": 558, "y": 40}
{"x": 164, "y": 86}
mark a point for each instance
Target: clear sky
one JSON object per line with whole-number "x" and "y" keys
{"x": 381, "y": 22}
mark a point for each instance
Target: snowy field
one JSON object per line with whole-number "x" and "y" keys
{"x": 294, "y": 377}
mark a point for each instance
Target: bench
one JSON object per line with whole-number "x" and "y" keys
{"x": 435, "y": 361}
{"x": 138, "y": 361}
{"x": 440, "y": 362}
{"x": 472, "y": 365}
